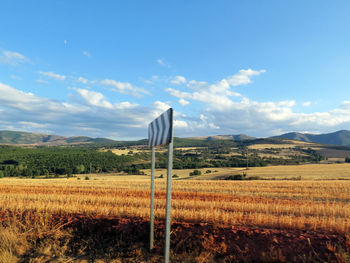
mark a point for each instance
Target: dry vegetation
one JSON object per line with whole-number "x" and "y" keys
{"x": 322, "y": 205}
{"x": 125, "y": 151}
{"x": 333, "y": 171}
{"x": 28, "y": 207}
{"x": 305, "y": 171}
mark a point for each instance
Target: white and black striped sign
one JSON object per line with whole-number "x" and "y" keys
{"x": 160, "y": 130}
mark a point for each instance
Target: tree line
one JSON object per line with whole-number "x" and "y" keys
{"x": 29, "y": 162}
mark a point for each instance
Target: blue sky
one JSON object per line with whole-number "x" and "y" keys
{"x": 108, "y": 68}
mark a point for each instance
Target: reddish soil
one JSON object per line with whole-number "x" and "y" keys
{"x": 127, "y": 239}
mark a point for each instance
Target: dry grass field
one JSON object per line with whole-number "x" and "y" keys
{"x": 123, "y": 151}
{"x": 29, "y": 207}
{"x": 288, "y": 204}
{"x": 304, "y": 172}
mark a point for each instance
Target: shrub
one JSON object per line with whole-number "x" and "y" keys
{"x": 208, "y": 171}
{"x": 87, "y": 178}
{"x": 236, "y": 177}
{"x": 175, "y": 176}
{"x": 195, "y": 172}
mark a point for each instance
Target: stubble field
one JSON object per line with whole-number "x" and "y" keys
{"x": 311, "y": 214}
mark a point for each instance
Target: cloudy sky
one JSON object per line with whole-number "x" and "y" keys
{"x": 108, "y": 68}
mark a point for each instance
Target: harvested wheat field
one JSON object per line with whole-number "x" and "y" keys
{"x": 274, "y": 211}
{"x": 304, "y": 171}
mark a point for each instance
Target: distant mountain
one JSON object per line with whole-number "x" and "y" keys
{"x": 16, "y": 137}
{"x": 341, "y": 138}
{"x": 239, "y": 137}
{"x": 336, "y": 138}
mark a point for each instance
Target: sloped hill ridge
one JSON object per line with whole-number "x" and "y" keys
{"x": 15, "y": 137}
{"x": 341, "y": 137}
{"x": 28, "y": 138}
{"x": 239, "y": 137}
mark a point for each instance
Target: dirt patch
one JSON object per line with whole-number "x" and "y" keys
{"x": 109, "y": 238}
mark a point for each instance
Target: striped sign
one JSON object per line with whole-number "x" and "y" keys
{"x": 160, "y": 130}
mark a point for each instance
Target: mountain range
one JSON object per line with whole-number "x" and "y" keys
{"x": 336, "y": 138}
{"x": 17, "y": 137}
{"x": 26, "y": 138}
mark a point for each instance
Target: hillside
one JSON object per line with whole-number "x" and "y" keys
{"x": 27, "y": 138}
{"x": 336, "y": 138}
{"x": 239, "y": 137}
{"x": 341, "y": 138}
{"x": 14, "y": 137}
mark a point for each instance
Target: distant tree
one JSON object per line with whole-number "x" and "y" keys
{"x": 80, "y": 169}
{"x": 195, "y": 172}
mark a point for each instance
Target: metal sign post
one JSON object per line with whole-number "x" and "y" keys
{"x": 151, "y": 235}
{"x": 160, "y": 132}
{"x": 168, "y": 203}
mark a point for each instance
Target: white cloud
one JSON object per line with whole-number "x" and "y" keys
{"x": 15, "y": 77}
{"x": 91, "y": 116}
{"x": 262, "y": 118}
{"x": 124, "y": 87}
{"x": 152, "y": 80}
{"x": 82, "y": 80}
{"x": 180, "y": 124}
{"x": 86, "y": 54}
{"x": 16, "y": 98}
{"x": 125, "y": 105}
{"x": 163, "y": 62}
{"x": 209, "y": 98}
{"x": 183, "y": 102}
{"x": 307, "y": 103}
{"x": 33, "y": 124}
{"x": 160, "y": 62}
{"x": 94, "y": 98}
{"x": 97, "y": 99}
{"x": 193, "y": 84}
{"x": 41, "y": 81}
{"x": 65, "y": 42}
{"x": 162, "y": 106}
{"x": 286, "y": 103}
{"x": 53, "y": 75}
{"x": 12, "y": 58}
{"x": 217, "y": 95}
{"x": 222, "y": 110}
{"x": 243, "y": 77}
{"x": 178, "y": 80}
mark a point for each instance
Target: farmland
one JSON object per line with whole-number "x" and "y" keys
{"x": 248, "y": 201}
{"x": 314, "y": 206}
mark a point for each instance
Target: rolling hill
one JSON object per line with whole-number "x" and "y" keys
{"x": 239, "y": 137}
{"x": 341, "y": 138}
{"x": 28, "y": 138}
{"x": 336, "y": 138}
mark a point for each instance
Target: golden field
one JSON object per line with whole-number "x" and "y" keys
{"x": 304, "y": 172}
{"x": 317, "y": 205}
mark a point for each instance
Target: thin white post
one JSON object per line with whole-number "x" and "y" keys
{"x": 151, "y": 234}
{"x": 168, "y": 203}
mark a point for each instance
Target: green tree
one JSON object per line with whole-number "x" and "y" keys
{"x": 80, "y": 169}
